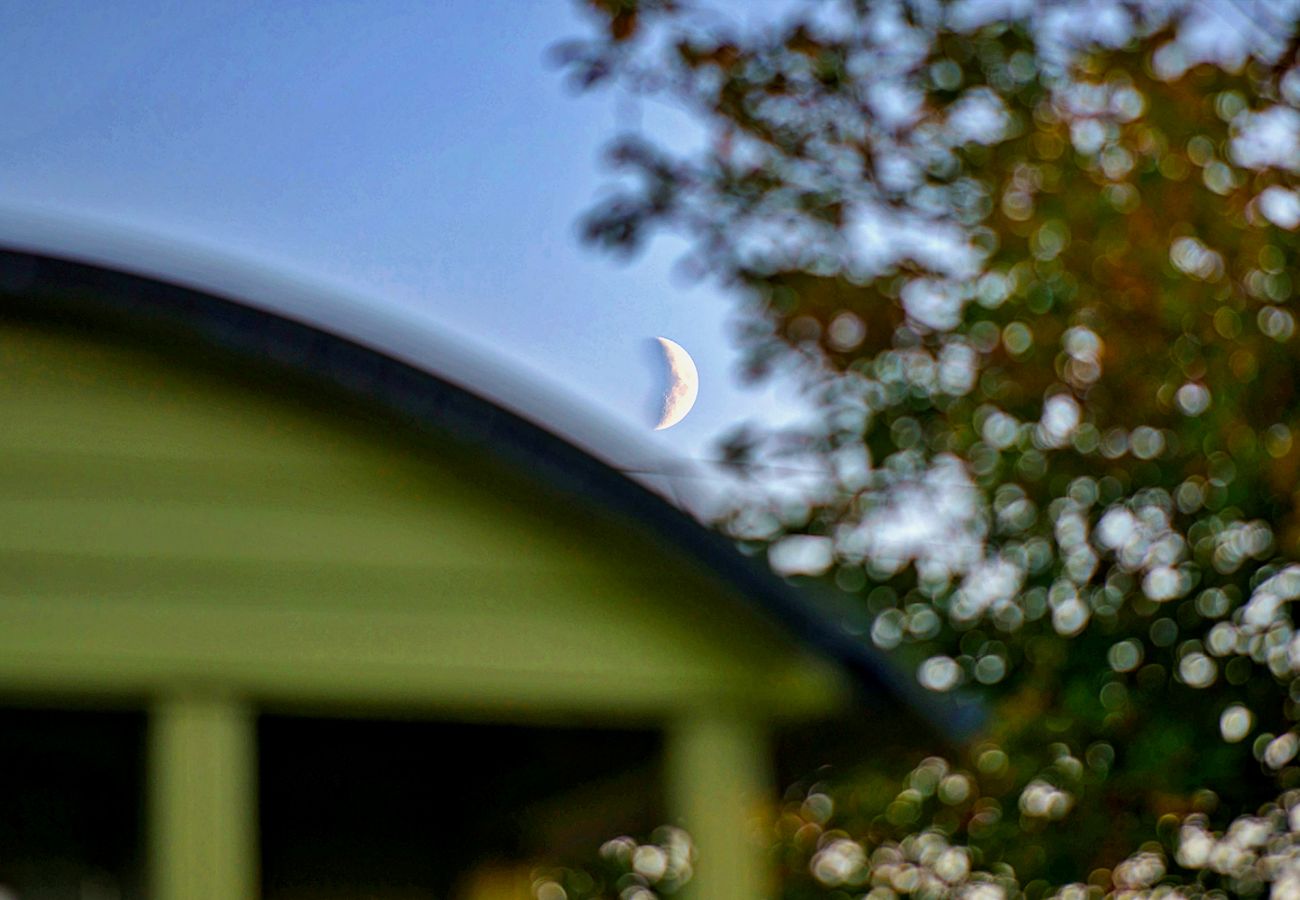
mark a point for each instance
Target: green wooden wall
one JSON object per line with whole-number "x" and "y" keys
{"x": 168, "y": 524}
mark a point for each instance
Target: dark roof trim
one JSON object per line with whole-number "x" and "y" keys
{"x": 79, "y": 291}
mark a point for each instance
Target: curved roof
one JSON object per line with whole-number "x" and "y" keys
{"x": 400, "y": 362}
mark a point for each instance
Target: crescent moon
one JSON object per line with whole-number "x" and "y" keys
{"x": 683, "y": 387}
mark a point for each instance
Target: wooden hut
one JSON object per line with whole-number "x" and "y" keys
{"x": 290, "y": 607}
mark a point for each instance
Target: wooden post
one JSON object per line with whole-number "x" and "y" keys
{"x": 719, "y": 790}
{"x": 202, "y": 801}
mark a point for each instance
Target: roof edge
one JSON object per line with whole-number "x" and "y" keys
{"x": 402, "y": 385}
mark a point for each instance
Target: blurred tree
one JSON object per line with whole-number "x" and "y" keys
{"x": 1037, "y": 262}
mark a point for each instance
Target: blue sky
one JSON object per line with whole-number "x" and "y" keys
{"x": 422, "y": 153}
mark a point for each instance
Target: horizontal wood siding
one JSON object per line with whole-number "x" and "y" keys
{"x": 162, "y": 524}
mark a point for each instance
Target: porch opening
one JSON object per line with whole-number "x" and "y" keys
{"x": 72, "y": 813}
{"x": 414, "y": 809}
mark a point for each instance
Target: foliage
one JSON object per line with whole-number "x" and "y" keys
{"x": 628, "y": 869}
{"x": 1037, "y": 262}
